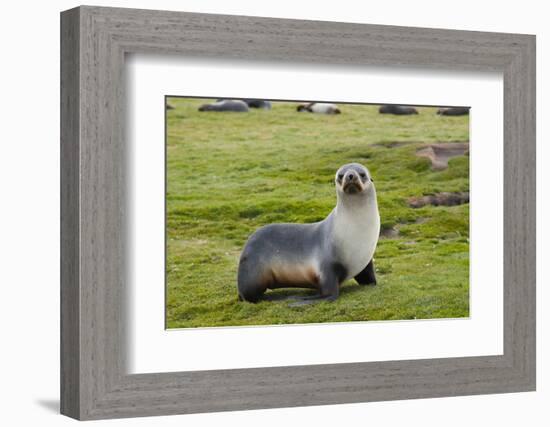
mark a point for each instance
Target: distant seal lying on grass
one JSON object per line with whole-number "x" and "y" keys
{"x": 318, "y": 107}
{"x": 454, "y": 111}
{"x": 226, "y": 105}
{"x": 258, "y": 103}
{"x": 321, "y": 255}
{"x": 254, "y": 103}
{"x": 399, "y": 110}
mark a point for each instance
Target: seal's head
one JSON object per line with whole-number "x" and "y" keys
{"x": 353, "y": 179}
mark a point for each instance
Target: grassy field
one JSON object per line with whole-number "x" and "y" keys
{"x": 230, "y": 173}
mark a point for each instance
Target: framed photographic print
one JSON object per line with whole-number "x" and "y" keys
{"x": 295, "y": 213}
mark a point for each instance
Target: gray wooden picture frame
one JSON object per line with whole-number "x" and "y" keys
{"x": 94, "y": 381}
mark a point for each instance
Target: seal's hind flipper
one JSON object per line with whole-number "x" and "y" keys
{"x": 367, "y": 276}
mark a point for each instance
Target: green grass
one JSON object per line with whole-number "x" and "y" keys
{"x": 230, "y": 173}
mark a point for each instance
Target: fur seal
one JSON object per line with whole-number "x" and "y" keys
{"x": 320, "y": 255}
{"x": 226, "y": 105}
{"x": 258, "y": 103}
{"x": 253, "y": 103}
{"x": 319, "y": 107}
{"x": 399, "y": 110}
{"x": 454, "y": 111}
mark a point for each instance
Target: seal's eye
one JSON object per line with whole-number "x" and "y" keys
{"x": 363, "y": 175}
{"x": 340, "y": 176}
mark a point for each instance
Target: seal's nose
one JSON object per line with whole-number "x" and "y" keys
{"x": 350, "y": 176}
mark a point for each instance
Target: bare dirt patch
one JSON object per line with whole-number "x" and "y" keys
{"x": 439, "y": 154}
{"x": 440, "y": 199}
{"x": 389, "y": 233}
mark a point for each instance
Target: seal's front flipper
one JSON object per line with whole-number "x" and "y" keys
{"x": 328, "y": 290}
{"x": 367, "y": 276}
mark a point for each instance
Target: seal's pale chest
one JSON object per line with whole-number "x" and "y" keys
{"x": 355, "y": 235}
